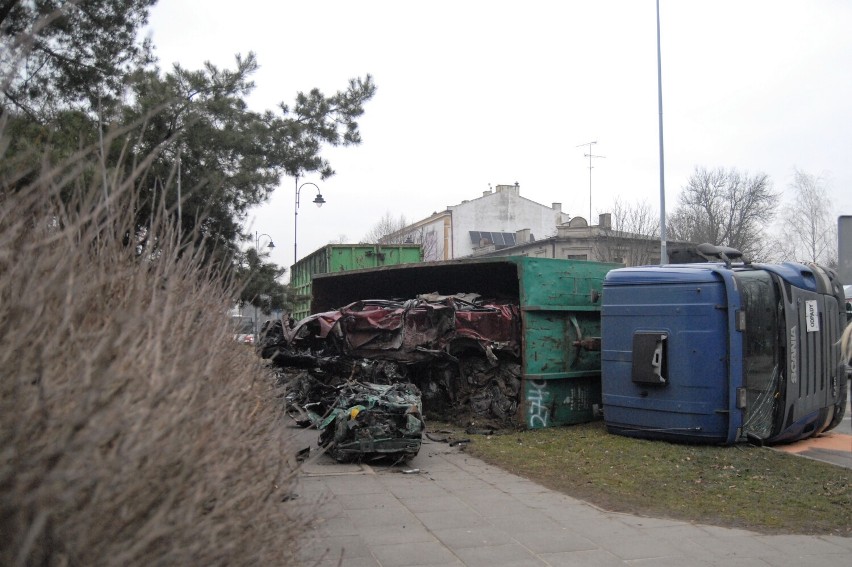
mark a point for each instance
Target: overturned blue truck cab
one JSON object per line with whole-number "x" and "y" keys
{"x": 722, "y": 351}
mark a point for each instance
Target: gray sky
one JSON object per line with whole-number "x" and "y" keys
{"x": 479, "y": 92}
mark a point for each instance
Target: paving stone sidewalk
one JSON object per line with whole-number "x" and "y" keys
{"x": 458, "y": 510}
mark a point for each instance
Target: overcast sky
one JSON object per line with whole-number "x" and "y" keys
{"x": 479, "y": 92}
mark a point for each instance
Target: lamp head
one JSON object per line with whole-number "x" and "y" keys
{"x": 319, "y": 201}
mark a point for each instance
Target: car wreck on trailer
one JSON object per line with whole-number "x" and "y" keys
{"x": 524, "y": 350}
{"x": 431, "y": 341}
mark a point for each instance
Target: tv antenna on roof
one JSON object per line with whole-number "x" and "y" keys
{"x": 590, "y": 156}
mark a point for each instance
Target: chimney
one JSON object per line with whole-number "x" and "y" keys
{"x": 605, "y": 220}
{"x": 557, "y": 207}
{"x": 522, "y": 236}
{"x": 514, "y": 189}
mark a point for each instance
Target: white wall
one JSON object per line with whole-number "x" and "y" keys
{"x": 503, "y": 210}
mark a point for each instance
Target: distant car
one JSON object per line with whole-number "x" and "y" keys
{"x": 244, "y": 338}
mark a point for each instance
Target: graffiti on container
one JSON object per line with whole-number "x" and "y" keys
{"x": 538, "y": 412}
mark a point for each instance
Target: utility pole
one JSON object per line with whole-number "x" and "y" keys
{"x": 590, "y": 155}
{"x": 664, "y": 255}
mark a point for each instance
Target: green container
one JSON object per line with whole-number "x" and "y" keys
{"x": 560, "y": 320}
{"x": 335, "y": 258}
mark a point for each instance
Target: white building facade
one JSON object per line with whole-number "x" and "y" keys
{"x": 490, "y": 221}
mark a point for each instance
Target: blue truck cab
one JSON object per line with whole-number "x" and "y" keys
{"x": 722, "y": 352}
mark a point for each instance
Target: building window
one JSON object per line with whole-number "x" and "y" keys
{"x": 576, "y": 256}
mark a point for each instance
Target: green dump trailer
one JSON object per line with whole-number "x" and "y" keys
{"x": 559, "y": 301}
{"x": 335, "y": 258}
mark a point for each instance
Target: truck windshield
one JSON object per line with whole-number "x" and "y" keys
{"x": 762, "y": 361}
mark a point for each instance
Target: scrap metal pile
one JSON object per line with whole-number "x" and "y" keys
{"x": 358, "y": 372}
{"x": 359, "y": 420}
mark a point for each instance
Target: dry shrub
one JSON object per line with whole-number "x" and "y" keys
{"x": 133, "y": 429}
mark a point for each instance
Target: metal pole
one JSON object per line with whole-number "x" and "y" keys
{"x": 590, "y": 156}
{"x": 590, "y": 186}
{"x": 664, "y": 256}
{"x": 295, "y": 220}
{"x": 319, "y": 201}
{"x": 257, "y": 253}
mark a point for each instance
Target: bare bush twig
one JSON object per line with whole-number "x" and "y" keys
{"x": 133, "y": 429}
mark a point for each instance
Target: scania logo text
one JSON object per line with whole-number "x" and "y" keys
{"x": 794, "y": 355}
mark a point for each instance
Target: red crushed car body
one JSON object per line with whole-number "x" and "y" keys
{"x": 414, "y": 330}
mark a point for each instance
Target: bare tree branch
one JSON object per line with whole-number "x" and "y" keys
{"x": 725, "y": 207}
{"x": 633, "y": 238}
{"x": 807, "y": 225}
{"x": 390, "y": 230}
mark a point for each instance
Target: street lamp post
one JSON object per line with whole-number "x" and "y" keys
{"x": 257, "y": 251}
{"x": 664, "y": 254}
{"x": 319, "y": 201}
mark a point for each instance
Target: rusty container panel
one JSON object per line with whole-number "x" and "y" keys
{"x": 342, "y": 258}
{"x": 559, "y": 302}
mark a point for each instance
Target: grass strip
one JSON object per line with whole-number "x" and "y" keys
{"x": 740, "y": 486}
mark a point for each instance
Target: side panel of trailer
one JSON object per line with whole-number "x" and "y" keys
{"x": 343, "y": 258}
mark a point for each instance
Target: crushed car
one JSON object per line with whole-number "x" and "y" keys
{"x": 373, "y": 421}
{"x": 461, "y": 351}
{"x": 357, "y": 421}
